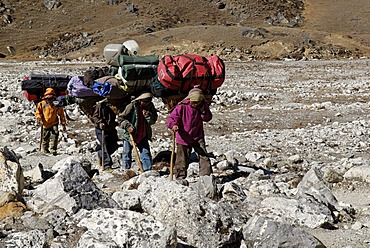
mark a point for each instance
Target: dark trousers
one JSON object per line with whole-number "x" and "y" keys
{"x": 110, "y": 144}
{"x": 50, "y": 135}
{"x": 183, "y": 159}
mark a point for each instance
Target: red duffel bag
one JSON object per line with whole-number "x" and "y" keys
{"x": 217, "y": 71}
{"x": 183, "y": 72}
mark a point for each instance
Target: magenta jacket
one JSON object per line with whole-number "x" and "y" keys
{"x": 190, "y": 122}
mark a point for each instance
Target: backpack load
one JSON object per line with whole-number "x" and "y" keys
{"x": 112, "y": 51}
{"x": 135, "y": 86}
{"x": 94, "y": 73}
{"x": 35, "y": 85}
{"x": 87, "y": 104}
{"x": 114, "y": 88}
{"x": 158, "y": 90}
{"x": 109, "y": 87}
{"x": 76, "y": 88}
{"x": 182, "y": 72}
{"x": 62, "y": 101}
{"x": 32, "y": 97}
{"x": 136, "y": 73}
{"x": 137, "y": 67}
{"x": 131, "y": 46}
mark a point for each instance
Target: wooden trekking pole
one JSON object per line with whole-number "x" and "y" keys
{"x": 41, "y": 136}
{"x": 102, "y": 148}
{"x": 136, "y": 153}
{"x": 172, "y": 154}
{"x": 101, "y": 126}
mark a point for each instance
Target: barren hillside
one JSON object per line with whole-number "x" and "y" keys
{"x": 244, "y": 30}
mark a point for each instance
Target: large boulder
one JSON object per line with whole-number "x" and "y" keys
{"x": 199, "y": 221}
{"x": 260, "y": 232}
{"x": 302, "y": 211}
{"x": 123, "y": 228}
{"x": 11, "y": 175}
{"x": 71, "y": 189}
{"x": 313, "y": 186}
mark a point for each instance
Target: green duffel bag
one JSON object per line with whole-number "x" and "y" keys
{"x": 132, "y": 68}
{"x": 127, "y": 59}
{"x": 113, "y": 70}
{"x": 137, "y": 72}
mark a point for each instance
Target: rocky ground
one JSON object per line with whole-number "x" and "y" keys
{"x": 289, "y": 137}
{"x": 289, "y": 140}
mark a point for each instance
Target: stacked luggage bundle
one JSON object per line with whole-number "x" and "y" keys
{"x": 127, "y": 75}
{"x": 177, "y": 75}
{"x": 34, "y": 85}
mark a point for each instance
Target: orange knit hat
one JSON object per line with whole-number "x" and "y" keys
{"x": 49, "y": 93}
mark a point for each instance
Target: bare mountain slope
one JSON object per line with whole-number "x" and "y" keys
{"x": 244, "y": 30}
{"x": 341, "y": 22}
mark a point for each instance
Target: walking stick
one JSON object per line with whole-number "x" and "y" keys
{"x": 42, "y": 134}
{"x": 102, "y": 148}
{"x": 136, "y": 153}
{"x": 102, "y": 126}
{"x": 172, "y": 154}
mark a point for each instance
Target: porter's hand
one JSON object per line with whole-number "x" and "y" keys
{"x": 175, "y": 128}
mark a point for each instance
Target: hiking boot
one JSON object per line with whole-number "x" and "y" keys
{"x": 54, "y": 152}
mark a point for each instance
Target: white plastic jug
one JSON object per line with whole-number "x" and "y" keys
{"x": 132, "y": 47}
{"x": 111, "y": 51}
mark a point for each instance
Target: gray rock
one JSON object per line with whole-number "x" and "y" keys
{"x": 128, "y": 199}
{"x": 198, "y": 220}
{"x": 361, "y": 173}
{"x": 313, "y": 185}
{"x": 71, "y": 189}
{"x": 332, "y": 176}
{"x": 232, "y": 192}
{"x": 7, "y": 19}
{"x": 264, "y": 233}
{"x": 29, "y": 239}
{"x": 11, "y": 174}
{"x": 35, "y": 175}
{"x": 295, "y": 211}
{"x": 52, "y": 4}
{"x": 123, "y": 228}
{"x": 254, "y": 156}
{"x": 206, "y": 187}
